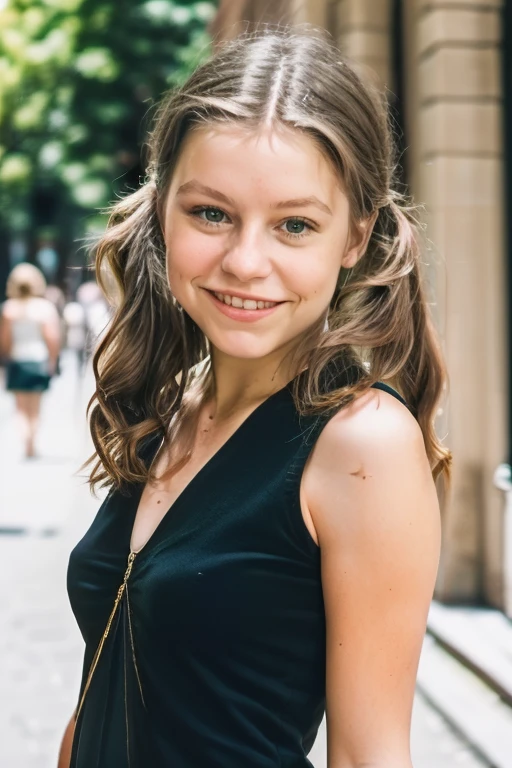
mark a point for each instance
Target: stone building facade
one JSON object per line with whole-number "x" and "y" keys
{"x": 443, "y": 65}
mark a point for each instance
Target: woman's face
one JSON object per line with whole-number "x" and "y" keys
{"x": 256, "y": 228}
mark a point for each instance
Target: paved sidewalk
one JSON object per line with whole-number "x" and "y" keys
{"x": 43, "y": 512}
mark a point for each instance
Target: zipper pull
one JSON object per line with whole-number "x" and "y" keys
{"x": 131, "y": 558}
{"x": 120, "y": 592}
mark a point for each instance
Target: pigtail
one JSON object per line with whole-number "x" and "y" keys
{"x": 149, "y": 342}
{"x": 380, "y": 329}
{"x": 412, "y": 359}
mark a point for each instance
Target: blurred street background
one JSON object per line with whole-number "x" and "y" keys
{"x": 79, "y": 80}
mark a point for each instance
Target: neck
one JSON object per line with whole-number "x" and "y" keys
{"x": 243, "y": 384}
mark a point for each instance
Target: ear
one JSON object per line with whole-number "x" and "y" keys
{"x": 358, "y": 240}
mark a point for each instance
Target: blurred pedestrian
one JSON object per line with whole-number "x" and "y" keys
{"x": 57, "y": 297}
{"x": 96, "y": 314}
{"x": 75, "y": 330}
{"x": 30, "y": 340}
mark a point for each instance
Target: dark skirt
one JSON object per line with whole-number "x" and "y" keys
{"x": 27, "y": 376}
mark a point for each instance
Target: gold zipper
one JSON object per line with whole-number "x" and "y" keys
{"x": 96, "y": 657}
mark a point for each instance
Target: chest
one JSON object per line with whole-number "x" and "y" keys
{"x": 230, "y": 539}
{"x": 223, "y": 563}
{"x": 159, "y": 496}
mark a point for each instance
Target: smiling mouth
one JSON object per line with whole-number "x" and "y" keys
{"x": 239, "y": 303}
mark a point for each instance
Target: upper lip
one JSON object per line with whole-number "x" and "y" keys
{"x": 243, "y": 295}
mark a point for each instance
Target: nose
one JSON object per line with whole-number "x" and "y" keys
{"x": 247, "y": 257}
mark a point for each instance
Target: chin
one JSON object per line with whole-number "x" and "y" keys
{"x": 244, "y": 349}
{"x": 245, "y": 344}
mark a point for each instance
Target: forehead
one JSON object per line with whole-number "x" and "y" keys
{"x": 278, "y": 161}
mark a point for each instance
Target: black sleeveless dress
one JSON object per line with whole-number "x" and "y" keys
{"x": 207, "y": 648}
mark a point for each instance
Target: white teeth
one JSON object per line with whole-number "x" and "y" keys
{"x": 235, "y": 301}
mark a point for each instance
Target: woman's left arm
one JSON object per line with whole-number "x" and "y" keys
{"x": 370, "y": 493}
{"x": 5, "y": 332}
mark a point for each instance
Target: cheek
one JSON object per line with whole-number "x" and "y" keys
{"x": 190, "y": 254}
{"x": 314, "y": 277}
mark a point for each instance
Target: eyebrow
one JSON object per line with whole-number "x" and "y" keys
{"x": 300, "y": 202}
{"x": 196, "y": 186}
{"x": 303, "y": 202}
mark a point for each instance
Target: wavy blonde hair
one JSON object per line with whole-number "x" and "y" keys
{"x": 25, "y": 280}
{"x": 379, "y": 319}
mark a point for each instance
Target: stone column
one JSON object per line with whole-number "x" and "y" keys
{"x": 459, "y": 178}
{"x": 236, "y": 16}
{"x": 363, "y": 32}
{"x": 314, "y": 12}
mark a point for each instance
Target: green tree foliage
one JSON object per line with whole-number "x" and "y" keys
{"x": 77, "y": 81}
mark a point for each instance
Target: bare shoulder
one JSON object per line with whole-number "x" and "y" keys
{"x": 9, "y": 309}
{"x": 370, "y": 451}
{"x": 375, "y": 428}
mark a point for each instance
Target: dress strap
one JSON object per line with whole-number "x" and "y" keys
{"x": 390, "y": 391}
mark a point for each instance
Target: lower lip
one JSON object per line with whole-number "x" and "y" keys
{"x": 242, "y": 315}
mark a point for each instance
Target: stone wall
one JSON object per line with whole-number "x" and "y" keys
{"x": 459, "y": 165}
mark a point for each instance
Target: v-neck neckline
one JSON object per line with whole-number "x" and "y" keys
{"x": 202, "y": 470}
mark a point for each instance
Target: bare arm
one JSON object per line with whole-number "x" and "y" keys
{"x": 67, "y": 742}
{"x": 5, "y": 333}
{"x": 371, "y": 496}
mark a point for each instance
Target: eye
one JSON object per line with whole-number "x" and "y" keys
{"x": 209, "y": 215}
{"x": 296, "y": 227}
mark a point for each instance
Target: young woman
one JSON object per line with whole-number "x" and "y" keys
{"x": 269, "y": 545}
{"x": 30, "y": 340}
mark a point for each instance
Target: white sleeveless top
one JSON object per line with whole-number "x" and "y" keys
{"x": 27, "y": 341}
